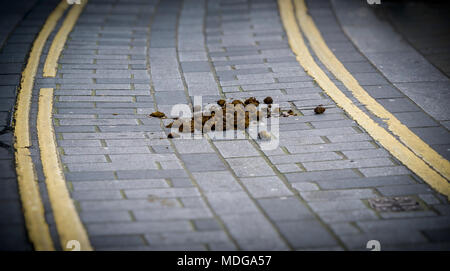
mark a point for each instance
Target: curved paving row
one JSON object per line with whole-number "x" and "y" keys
{"x": 137, "y": 190}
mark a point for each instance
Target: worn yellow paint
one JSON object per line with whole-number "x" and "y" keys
{"x": 33, "y": 209}
{"x": 51, "y": 62}
{"x": 67, "y": 221}
{"x": 388, "y": 141}
{"x": 410, "y": 139}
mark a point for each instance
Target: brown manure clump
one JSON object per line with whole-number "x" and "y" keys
{"x": 319, "y": 109}
{"x": 236, "y": 115}
{"x": 158, "y": 114}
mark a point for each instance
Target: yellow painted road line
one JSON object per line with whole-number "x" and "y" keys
{"x": 33, "y": 209}
{"x": 388, "y": 141}
{"x": 51, "y": 63}
{"x": 326, "y": 56}
{"x": 67, "y": 221}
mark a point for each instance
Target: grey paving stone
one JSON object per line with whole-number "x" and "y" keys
{"x": 285, "y": 209}
{"x": 370, "y": 79}
{"x": 105, "y": 216}
{"x": 116, "y": 185}
{"x": 192, "y": 146}
{"x": 390, "y": 215}
{"x": 206, "y": 224}
{"x": 306, "y": 234}
{"x": 301, "y": 158}
{"x": 137, "y": 227}
{"x": 407, "y": 224}
{"x": 100, "y": 242}
{"x": 407, "y": 189}
{"x": 195, "y": 66}
{"x": 362, "y": 145}
{"x": 172, "y": 214}
{"x": 365, "y": 182}
{"x": 348, "y": 215}
{"x": 170, "y": 97}
{"x": 322, "y": 175}
{"x": 333, "y": 195}
{"x": 187, "y": 237}
{"x": 253, "y": 232}
{"x": 200, "y": 162}
{"x": 432, "y": 135}
{"x": 228, "y": 246}
{"x": 216, "y": 181}
{"x": 161, "y": 193}
{"x": 228, "y": 203}
{"x": 344, "y": 228}
{"x": 336, "y": 206}
{"x": 348, "y": 138}
{"x": 383, "y": 91}
{"x": 149, "y": 174}
{"x": 236, "y": 148}
{"x": 416, "y": 119}
{"x": 329, "y": 132}
{"x": 432, "y": 104}
{"x": 81, "y": 136}
{"x": 266, "y": 187}
{"x": 129, "y": 204}
{"x": 98, "y": 122}
{"x": 305, "y": 186}
{"x": 429, "y": 198}
{"x": 120, "y": 165}
{"x": 104, "y": 150}
{"x": 96, "y": 195}
{"x": 360, "y": 163}
{"x": 89, "y": 176}
{"x": 384, "y": 171}
{"x": 181, "y": 182}
{"x": 250, "y": 167}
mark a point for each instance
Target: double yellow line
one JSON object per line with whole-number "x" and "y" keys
{"x": 67, "y": 221}
{"x": 414, "y": 153}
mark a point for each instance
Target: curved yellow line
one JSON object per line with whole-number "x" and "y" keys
{"x": 33, "y": 209}
{"x": 60, "y": 39}
{"x": 410, "y": 139}
{"x": 67, "y": 221}
{"x": 388, "y": 141}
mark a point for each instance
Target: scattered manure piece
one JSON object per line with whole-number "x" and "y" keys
{"x": 173, "y": 135}
{"x": 221, "y": 102}
{"x": 169, "y": 125}
{"x": 158, "y": 114}
{"x": 319, "y": 109}
{"x": 268, "y": 100}
{"x": 291, "y": 112}
{"x": 264, "y": 135}
{"x": 252, "y": 100}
